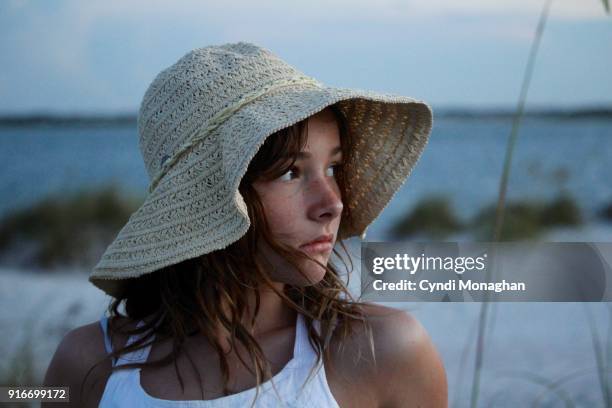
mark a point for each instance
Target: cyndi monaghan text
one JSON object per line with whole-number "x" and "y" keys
{"x": 450, "y": 285}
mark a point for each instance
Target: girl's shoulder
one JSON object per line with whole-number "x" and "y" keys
{"x": 390, "y": 358}
{"x": 80, "y": 356}
{"x": 386, "y": 330}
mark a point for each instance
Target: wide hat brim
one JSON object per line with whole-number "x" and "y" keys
{"x": 196, "y": 207}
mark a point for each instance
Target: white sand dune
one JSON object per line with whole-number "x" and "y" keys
{"x": 526, "y": 343}
{"x": 39, "y": 308}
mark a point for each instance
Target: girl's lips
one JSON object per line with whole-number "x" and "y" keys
{"x": 318, "y": 247}
{"x": 320, "y": 239}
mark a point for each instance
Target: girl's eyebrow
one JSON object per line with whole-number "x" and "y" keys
{"x": 306, "y": 155}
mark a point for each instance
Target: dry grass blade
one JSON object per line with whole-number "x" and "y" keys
{"x": 599, "y": 357}
{"x": 499, "y": 218}
{"x": 535, "y": 379}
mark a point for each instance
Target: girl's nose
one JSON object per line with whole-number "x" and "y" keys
{"x": 326, "y": 203}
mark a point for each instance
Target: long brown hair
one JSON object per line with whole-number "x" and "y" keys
{"x": 202, "y": 294}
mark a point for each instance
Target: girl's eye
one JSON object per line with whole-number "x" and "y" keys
{"x": 294, "y": 172}
{"x": 336, "y": 169}
{"x": 287, "y": 175}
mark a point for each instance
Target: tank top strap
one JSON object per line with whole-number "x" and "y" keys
{"x": 136, "y": 356}
{"x": 301, "y": 339}
{"x": 311, "y": 380}
{"x": 104, "y": 324}
{"x": 303, "y": 349}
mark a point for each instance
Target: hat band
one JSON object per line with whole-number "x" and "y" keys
{"x": 222, "y": 116}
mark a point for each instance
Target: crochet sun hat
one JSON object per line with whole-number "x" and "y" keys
{"x": 200, "y": 123}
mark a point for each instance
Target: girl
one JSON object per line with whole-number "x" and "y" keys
{"x": 223, "y": 275}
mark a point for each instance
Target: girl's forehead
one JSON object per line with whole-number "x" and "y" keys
{"x": 326, "y": 115}
{"x": 323, "y": 138}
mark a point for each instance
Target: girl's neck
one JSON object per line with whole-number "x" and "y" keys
{"x": 273, "y": 314}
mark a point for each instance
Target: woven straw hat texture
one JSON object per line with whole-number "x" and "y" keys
{"x": 200, "y": 123}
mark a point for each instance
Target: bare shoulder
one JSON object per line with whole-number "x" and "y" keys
{"x": 79, "y": 350}
{"x": 396, "y": 333}
{"x": 405, "y": 369}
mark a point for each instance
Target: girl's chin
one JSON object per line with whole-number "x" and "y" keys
{"x": 315, "y": 275}
{"x": 312, "y": 274}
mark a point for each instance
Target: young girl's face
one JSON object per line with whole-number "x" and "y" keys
{"x": 304, "y": 204}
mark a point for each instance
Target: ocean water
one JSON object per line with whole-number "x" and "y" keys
{"x": 463, "y": 161}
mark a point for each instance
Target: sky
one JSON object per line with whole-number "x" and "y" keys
{"x": 95, "y": 57}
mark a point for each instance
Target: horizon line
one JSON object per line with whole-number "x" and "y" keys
{"x": 457, "y": 111}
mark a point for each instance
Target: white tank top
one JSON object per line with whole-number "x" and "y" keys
{"x": 290, "y": 387}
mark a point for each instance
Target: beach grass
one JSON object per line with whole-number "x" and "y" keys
{"x": 18, "y": 368}
{"x": 528, "y": 219}
{"x": 435, "y": 218}
{"x": 64, "y": 230}
{"x": 432, "y": 215}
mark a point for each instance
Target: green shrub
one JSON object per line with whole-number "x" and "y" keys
{"x": 521, "y": 221}
{"x": 432, "y": 216}
{"x": 561, "y": 211}
{"x": 526, "y": 219}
